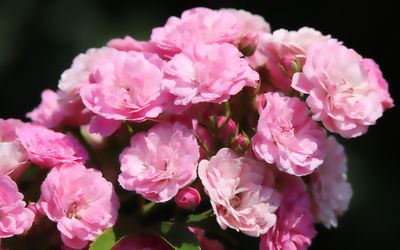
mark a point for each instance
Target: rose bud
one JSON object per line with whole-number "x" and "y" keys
{"x": 188, "y": 198}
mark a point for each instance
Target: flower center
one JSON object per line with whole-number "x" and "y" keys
{"x": 72, "y": 211}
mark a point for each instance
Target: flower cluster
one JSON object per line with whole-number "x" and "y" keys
{"x": 213, "y": 112}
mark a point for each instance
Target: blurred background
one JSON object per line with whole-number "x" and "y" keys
{"x": 39, "y": 39}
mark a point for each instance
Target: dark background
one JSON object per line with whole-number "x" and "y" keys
{"x": 39, "y": 39}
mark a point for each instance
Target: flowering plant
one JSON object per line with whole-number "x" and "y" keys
{"x": 214, "y": 123}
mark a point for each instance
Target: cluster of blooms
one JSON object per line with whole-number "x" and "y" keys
{"x": 213, "y": 98}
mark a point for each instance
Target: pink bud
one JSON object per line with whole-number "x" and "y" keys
{"x": 241, "y": 143}
{"x": 188, "y": 198}
{"x": 228, "y": 130}
{"x": 32, "y": 207}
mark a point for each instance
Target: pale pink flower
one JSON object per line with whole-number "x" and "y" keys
{"x": 125, "y": 86}
{"x": 130, "y": 44}
{"x": 208, "y": 73}
{"x": 48, "y": 113}
{"x": 13, "y": 156}
{"x": 206, "y": 243}
{"x": 287, "y": 136}
{"x": 188, "y": 198}
{"x": 283, "y": 48}
{"x": 73, "y": 78}
{"x": 14, "y": 217}
{"x": 346, "y": 92}
{"x": 241, "y": 192}
{"x": 48, "y": 148}
{"x": 330, "y": 190}
{"x": 197, "y": 25}
{"x": 294, "y": 227}
{"x": 80, "y": 201}
{"x": 160, "y": 162}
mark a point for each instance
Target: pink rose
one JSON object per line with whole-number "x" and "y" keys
{"x": 188, "y": 198}
{"x": 241, "y": 192}
{"x": 48, "y": 113}
{"x": 13, "y": 156}
{"x": 14, "y": 217}
{"x": 346, "y": 92}
{"x": 294, "y": 227}
{"x": 80, "y": 201}
{"x": 48, "y": 148}
{"x": 125, "y": 86}
{"x": 331, "y": 193}
{"x": 198, "y": 25}
{"x": 287, "y": 136}
{"x": 73, "y": 78}
{"x": 160, "y": 162}
{"x": 209, "y": 73}
{"x": 228, "y": 131}
{"x": 284, "y": 48}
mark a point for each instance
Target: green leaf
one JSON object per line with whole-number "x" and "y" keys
{"x": 200, "y": 217}
{"x": 178, "y": 236}
{"x": 104, "y": 241}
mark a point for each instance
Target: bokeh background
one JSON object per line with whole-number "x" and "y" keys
{"x": 39, "y": 39}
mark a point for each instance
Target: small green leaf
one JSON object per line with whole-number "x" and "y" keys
{"x": 199, "y": 217}
{"x": 104, "y": 241}
{"x": 178, "y": 236}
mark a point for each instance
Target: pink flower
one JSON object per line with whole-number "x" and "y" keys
{"x": 287, "y": 136}
{"x": 209, "y": 73}
{"x": 241, "y": 192}
{"x": 283, "y": 48}
{"x": 198, "y": 25}
{"x": 331, "y": 193}
{"x": 125, "y": 86}
{"x": 187, "y": 198}
{"x": 206, "y": 243}
{"x": 48, "y": 148}
{"x": 48, "y": 113}
{"x": 346, "y": 92}
{"x": 133, "y": 242}
{"x": 228, "y": 131}
{"x": 14, "y": 217}
{"x": 80, "y": 201}
{"x": 13, "y": 156}
{"x": 160, "y": 162}
{"x": 294, "y": 226}
{"x": 73, "y": 78}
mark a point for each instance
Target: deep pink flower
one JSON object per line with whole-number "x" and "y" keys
{"x": 228, "y": 131}
{"x": 241, "y": 192}
{"x": 294, "y": 227}
{"x": 209, "y": 73}
{"x": 331, "y": 192}
{"x": 13, "y": 156}
{"x": 188, "y": 198}
{"x": 287, "y": 136}
{"x": 346, "y": 92}
{"x": 160, "y": 162}
{"x": 14, "y": 217}
{"x": 125, "y": 86}
{"x": 48, "y": 148}
{"x": 206, "y": 243}
{"x": 80, "y": 201}
{"x": 197, "y": 25}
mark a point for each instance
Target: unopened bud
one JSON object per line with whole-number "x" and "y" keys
{"x": 188, "y": 198}
{"x": 227, "y": 129}
{"x": 248, "y": 45}
{"x": 241, "y": 143}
